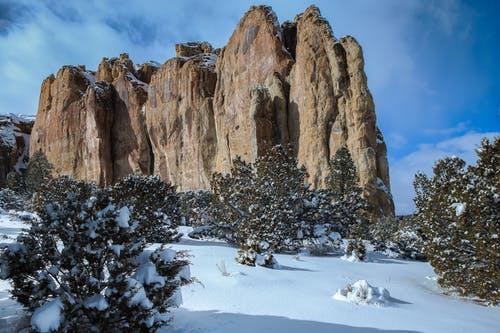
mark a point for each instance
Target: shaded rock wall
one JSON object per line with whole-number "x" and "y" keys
{"x": 14, "y": 144}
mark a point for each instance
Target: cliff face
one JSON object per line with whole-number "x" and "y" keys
{"x": 290, "y": 84}
{"x": 330, "y": 105}
{"x": 72, "y": 125}
{"x": 244, "y": 122}
{"x": 180, "y": 117}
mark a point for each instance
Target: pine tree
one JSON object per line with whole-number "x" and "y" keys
{"x": 343, "y": 178}
{"x": 349, "y": 208}
{"x": 87, "y": 252}
{"x": 458, "y": 211}
{"x": 39, "y": 172}
{"x": 265, "y": 207}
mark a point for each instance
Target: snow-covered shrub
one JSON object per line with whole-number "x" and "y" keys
{"x": 361, "y": 292}
{"x": 9, "y": 200}
{"x": 398, "y": 237}
{"x": 268, "y": 202}
{"x": 254, "y": 253}
{"x": 83, "y": 265}
{"x": 152, "y": 205}
{"x": 194, "y": 206}
{"x": 458, "y": 209}
{"x": 356, "y": 250}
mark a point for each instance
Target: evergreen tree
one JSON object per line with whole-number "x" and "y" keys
{"x": 458, "y": 211}
{"x": 266, "y": 207}
{"x": 149, "y": 200}
{"x": 86, "y": 253}
{"x": 343, "y": 178}
{"x": 16, "y": 183}
{"x": 349, "y": 208}
{"x": 39, "y": 172}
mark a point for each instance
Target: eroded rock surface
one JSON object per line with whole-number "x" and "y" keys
{"x": 293, "y": 83}
{"x": 72, "y": 125}
{"x": 180, "y": 118}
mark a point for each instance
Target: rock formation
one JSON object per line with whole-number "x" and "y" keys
{"x": 330, "y": 105}
{"x": 130, "y": 146}
{"x": 14, "y": 144}
{"x": 293, "y": 83}
{"x": 180, "y": 117}
{"x": 72, "y": 125}
{"x": 253, "y": 55}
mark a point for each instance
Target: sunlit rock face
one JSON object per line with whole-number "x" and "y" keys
{"x": 293, "y": 83}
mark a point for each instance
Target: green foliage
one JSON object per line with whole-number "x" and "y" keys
{"x": 458, "y": 210}
{"x": 9, "y": 200}
{"x": 149, "y": 200}
{"x": 343, "y": 179}
{"x": 266, "y": 206}
{"x": 193, "y": 207}
{"x": 349, "y": 208}
{"x": 15, "y": 182}
{"x": 87, "y": 250}
{"x": 356, "y": 247}
{"x": 398, "y": 236}
{"x": 38, "y": 172}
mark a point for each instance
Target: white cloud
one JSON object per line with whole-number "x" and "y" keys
{"x": 404, "y": 169}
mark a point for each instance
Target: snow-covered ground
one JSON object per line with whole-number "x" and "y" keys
{"x": 298, "y": 297}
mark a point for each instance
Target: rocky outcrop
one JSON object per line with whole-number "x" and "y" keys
{"x": 330, "y": 106}
{"x": 14, "y": 144}
{"x": 180, "y": 117}
{"x": 253, "y": 55}
{"x": 72, "y": 125}
{"x": 290, "y": 84}
{"x": 130, "y": 146}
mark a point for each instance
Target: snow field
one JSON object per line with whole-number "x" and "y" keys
{"x": 297, "y": 297}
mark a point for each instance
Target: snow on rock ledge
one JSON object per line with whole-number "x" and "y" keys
{"x": 361, "y": 292}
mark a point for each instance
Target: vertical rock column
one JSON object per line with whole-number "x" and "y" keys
{"x": 72, "y": 126}
{"x": 180, "y": 117}
{"x": 131, "y": 150}
{"x": 330, "y": 105}
{"x": 254, "y": 54}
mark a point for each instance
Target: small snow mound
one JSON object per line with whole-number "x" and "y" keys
{"x": 47, "y": 317}
{"x": 361, "y": 292}
{"x": 350, "y": 258}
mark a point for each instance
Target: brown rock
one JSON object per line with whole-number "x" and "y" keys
{"x": 180, "y": 120}
{"x": 330, "y": 105}
{"x": 190, "y": 49}
{"x": 131, "y": 150}
{"x": 254, "y": 53}
{"x": 72, "y": 125}
{"x": 145, "y": 71}
{"x": 271, "y": 84}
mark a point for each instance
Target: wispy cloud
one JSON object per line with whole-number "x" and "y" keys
{"x": 459, "y": 128}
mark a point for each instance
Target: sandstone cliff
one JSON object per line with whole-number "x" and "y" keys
{"x": 14, "y": 144}
{"x": 180, "y": 117}
{"x": 293, "y": 83}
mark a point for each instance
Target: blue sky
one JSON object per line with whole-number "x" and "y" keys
{"x": 432, "y": 65}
